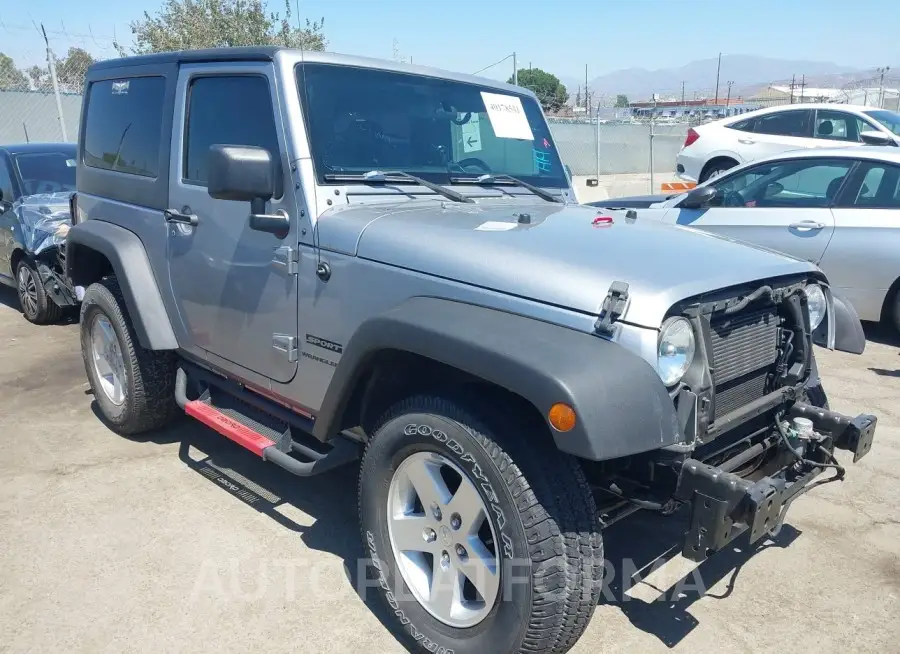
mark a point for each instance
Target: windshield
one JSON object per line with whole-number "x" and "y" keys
{"x": 46, "y": 172}
{"x": 890, "y": 119}
{"x": 361, "y": 120}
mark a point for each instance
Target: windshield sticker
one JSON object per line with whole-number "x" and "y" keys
{"x": 120, "y": 88}
{"x": 70, "y": 163}
{"x": 495, "y": 226}
{"x": 471, "y": 134}
{"x": 507, "y": 116}
{"x": 542, "y": 162}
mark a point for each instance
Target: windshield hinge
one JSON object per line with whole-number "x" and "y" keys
{"x": 287, "y": 344}
{"x": 612, "y": 309}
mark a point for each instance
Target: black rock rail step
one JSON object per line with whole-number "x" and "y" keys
{"x": 265, "y": 428}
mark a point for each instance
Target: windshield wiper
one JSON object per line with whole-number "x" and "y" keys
{"x": 489, "y": 179}
{"x": 379, "y": 176}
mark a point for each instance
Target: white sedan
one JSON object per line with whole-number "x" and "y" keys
{"x": 711, "y": 149}
{"x": 839, "y": 208}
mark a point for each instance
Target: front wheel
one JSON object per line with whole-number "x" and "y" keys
{"x": 37, "y": 306}
{"x": 483, "y": 536}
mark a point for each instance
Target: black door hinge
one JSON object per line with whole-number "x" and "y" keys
{"x": 613, "y": 307}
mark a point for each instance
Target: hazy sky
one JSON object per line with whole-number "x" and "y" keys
{"x": 560, "y": 36}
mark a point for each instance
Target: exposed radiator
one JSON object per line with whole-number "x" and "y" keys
{"x": 744, "y": 349}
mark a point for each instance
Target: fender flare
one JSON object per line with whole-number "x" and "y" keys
{"x": 622, "y": 406}
{"x": 131, "y": 266}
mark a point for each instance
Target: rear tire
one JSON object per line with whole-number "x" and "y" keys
{"x": 37, "y": 307}
{"x": 540, "y": 510}
{"x": 894, "y": 311}
{"x": 714, "y": 169}
{"x": 137, "y": 394}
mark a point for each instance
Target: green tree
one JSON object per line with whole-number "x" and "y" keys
{"x": 11, "y": 78}
{"x": 70, "y": 72}
{"x": 621, "y": 100}
{"x": 546, "y": 86}
{"x": 193, "y": 24}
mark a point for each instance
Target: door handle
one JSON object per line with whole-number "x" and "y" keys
{"x": 805, "y": 225}
{"x": 746, "y": 141}
{"x": 173, "y": 216}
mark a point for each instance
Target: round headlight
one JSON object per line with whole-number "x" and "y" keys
{"x": 676, "y": 350}
{"x": 815, "y": 301}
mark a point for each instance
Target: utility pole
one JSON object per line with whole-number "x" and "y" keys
{"x": 881, "y": 71}
{"x": 793, "y": 81}
{"x": 728, "y": 98}
{"x": 718, "y": 70}
{"x": 587, "y": 101}
{"x": 515, "y": 71}
{"x": 802, "y": 87}
{"x": 682, "y": 93}
{"x": 52, "y": 66}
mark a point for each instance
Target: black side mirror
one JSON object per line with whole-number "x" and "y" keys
{"x": 241, "y": 173}
{"x": 698, "y": 197}
{"x": 248, "y": 174}
{"x": 876, "y": 138}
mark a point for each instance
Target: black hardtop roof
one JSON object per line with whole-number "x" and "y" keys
{"x": 250, "y": 53}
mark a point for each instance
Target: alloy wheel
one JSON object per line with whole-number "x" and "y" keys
{"x": 443, "y": 539}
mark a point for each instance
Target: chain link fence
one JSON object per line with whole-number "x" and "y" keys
{"x": 42, "y": 74}
{"x": 596, "y": 148}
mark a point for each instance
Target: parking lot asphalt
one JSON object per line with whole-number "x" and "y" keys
{"x": 185, "y": 542}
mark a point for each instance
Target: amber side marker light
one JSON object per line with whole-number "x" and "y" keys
{"x": 561, "y": 417}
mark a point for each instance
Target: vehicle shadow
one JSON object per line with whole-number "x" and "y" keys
{"x": 329, "y": 499}
{"x": 882, "y": 333}
{"x": 10, "y": 298}
{"x": 642, "y": 543}
{"x": 632, "y": 546}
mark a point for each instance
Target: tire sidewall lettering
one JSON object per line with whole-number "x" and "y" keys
{"x": 478, "y": 474}
{"x": 391, "y": 599}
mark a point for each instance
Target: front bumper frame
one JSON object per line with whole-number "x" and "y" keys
{"x": 724, "y": 505}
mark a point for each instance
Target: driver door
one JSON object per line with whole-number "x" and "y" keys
{"x": 233, "y": 298}
{"x": 782, "y": 205}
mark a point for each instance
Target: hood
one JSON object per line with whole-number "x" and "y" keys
{"x": 552, "y": 253}
{"x": 45, "y": 220}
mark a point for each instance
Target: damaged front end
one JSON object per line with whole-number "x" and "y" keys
{"x": 44, "y": 221}
{"x": 757, "y": 431}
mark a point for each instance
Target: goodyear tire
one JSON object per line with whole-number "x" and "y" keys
{"x": 450, "y": 495}
{"x": 134, "y": 387}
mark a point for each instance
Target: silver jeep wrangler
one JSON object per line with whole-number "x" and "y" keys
{"x": 326, "y": 258}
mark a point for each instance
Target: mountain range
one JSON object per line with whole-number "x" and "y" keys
{"x": 749, "y": 73}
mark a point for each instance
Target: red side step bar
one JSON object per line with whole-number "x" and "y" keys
{"x": 231, "y": 429}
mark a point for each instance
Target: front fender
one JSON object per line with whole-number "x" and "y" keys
{"x": 621, "y": 404}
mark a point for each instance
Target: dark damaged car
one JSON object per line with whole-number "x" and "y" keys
{"x": 37, "y": 181}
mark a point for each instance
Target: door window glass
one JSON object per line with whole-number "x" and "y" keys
{"x": 226, "y": 110}
{"x": 880, "y": 188}
{"x": 5, "y": 182}
{"x": 784, "y": 123}
{"x": 836, "y": 126}
{"x": 790, "y": 184}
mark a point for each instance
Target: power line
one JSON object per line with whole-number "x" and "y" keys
{"x": 509, "y": 56}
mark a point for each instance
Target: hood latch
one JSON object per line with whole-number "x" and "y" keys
{"x": 612, "y": 308}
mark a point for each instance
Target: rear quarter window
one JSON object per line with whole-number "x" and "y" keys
{"x": 123, "y": 125}
{"x": 745, "y": 125}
